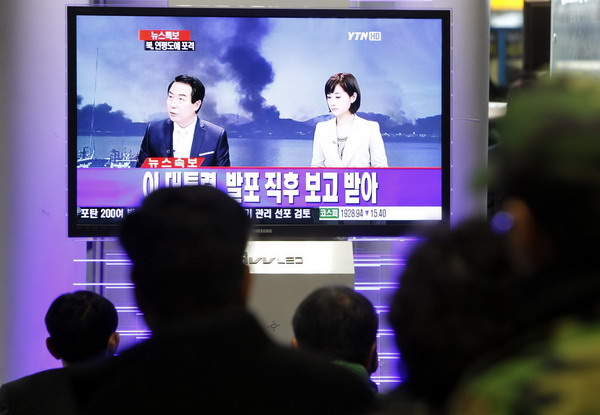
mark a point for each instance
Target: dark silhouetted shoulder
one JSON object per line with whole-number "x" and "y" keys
{"x": 222, "y": 364}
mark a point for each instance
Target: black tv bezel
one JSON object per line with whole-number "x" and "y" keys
{"x": 263, "y": 231}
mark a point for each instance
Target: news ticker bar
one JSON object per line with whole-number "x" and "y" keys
{"x": 111, "y": 215}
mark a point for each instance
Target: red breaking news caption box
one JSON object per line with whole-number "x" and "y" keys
{"x": 172, "y": 162}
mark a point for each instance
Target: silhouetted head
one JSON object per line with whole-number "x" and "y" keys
{"x": 186, "y": 245}
{"x": 457, "y": 301}
{"x": 338, "y": 322}
{"x": 549, "y": 169}
{"x": 82, "y": 327}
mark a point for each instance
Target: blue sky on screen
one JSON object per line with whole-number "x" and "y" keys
{"x": 283, "y": 63}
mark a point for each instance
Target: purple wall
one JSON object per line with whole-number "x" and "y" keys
{"x": 38, "y": 264}
{"x": 5, "y": 29}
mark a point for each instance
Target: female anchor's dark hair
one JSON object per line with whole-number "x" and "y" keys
{"x": 198, "y": 89}
{"x": 348, "y": 83}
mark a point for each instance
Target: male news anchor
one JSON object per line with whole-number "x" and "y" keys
{"x": 184, "y": 134}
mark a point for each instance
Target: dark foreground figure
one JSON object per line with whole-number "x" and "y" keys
{"x": 208, "y": 354}
{"x": 82, "y": 327}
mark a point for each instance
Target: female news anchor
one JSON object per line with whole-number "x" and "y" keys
{"x": 346, "y": 140}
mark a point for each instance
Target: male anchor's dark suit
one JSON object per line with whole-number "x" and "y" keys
{"x": 210, "y": 142}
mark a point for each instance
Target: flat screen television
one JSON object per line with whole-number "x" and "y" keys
{"x": 265, "y": 72}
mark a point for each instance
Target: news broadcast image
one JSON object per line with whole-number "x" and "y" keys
{"x": 264, "y": 79}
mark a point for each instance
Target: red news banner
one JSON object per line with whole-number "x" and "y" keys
{"x": 172, "y": 162}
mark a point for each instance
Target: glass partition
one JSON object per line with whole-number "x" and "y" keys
{"x": 575, "y": 36}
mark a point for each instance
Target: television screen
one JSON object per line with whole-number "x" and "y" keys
{"x": 321, "y": 123}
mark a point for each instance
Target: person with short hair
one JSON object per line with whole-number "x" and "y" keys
{"x": 346, "y": 140}
{"x": 340, "y": 324}
{"x": 207, "y": 353}
{"x": 184, "y": 134}
{"x": 453, "y": 307}
{"x": 82, "y": 327}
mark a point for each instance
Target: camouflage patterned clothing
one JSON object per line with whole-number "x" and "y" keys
{"x": 559, "y": 377}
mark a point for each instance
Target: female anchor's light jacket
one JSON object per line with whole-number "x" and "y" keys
{"x": 364, "y": 147}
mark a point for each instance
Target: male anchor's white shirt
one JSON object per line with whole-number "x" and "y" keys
{"x": 183, "y": 139}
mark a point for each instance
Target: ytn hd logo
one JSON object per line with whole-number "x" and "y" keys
{"x": 369, "y": 36}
